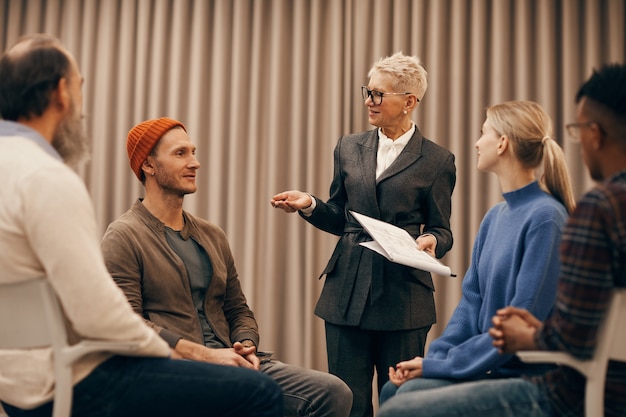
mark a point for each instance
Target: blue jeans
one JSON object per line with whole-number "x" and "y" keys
{"x": 416, "y": 384}
{"x": 511, "y": 397}
{"x": 158, "y": 387}
{"x": 309, "y": 393}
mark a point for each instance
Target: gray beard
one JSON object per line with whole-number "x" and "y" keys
{"x": 70, "y": 141}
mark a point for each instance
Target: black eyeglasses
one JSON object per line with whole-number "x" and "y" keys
{"x": 573, "y": 129}
{"x": 377, "y": 96}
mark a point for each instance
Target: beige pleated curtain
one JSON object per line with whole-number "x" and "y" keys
{"x": 266, "y": 87}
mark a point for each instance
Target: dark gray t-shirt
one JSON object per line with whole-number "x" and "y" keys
{"x": 199, "y": 273}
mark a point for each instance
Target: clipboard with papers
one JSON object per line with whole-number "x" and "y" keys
{"x": 397, "y": 245}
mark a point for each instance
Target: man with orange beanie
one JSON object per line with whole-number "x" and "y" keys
{"x": 178, "y": 273}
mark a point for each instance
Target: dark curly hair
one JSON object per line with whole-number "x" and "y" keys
{"x": 607, "y": 86}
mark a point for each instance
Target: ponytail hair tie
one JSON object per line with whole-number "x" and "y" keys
{"x": 544, "y": 140}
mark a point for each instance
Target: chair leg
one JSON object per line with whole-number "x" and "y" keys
{"x": 594, "y": 397}
{"x": 63, "y": 390}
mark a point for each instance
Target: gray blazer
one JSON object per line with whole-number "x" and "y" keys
{"x": 362, "y": 288}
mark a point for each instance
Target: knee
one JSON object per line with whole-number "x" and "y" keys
{"x": 388, "y": 391}
{"x": 340, "y": 395}
{"x": 342, "y": 391}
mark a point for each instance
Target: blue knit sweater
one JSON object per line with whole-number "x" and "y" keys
{"x": 515, "y": 261}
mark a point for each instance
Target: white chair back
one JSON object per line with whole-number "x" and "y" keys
{"x": 611, "y": 346}
{"x": 31, "y": 317}
{"x": 28, "y": 316}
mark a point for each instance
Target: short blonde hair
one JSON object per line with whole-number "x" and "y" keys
{"x": 406, "y": 71}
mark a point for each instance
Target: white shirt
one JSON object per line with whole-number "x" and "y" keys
{"x": 389, "y": 149}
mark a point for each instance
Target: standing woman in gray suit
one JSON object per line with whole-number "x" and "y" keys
{"x": 376, "y": 312}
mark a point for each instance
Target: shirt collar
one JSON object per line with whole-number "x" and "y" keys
{"x": 401, "y": 141}
{"x": 10, "y": 128}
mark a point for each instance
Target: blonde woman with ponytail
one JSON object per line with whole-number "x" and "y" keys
{"x": 515, "y": 259}
{"x": 526, "y": 127}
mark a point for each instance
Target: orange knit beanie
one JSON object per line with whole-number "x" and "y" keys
{"x": 142, "y": 139}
